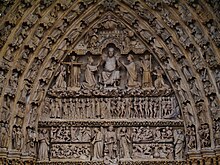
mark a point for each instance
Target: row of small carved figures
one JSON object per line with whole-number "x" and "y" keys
{"x": 138, "y": 151}
{"x": 113, "y": 92}
{"x": 136, "y": 134}
{"x": 110, "y": 107}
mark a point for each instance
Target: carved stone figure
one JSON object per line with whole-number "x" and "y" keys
{"x": 191, "y": 141}
{"x": 217, "y": 132}
{"x": 43, "y": 146}
{"x": 38, "y": 95}
{"x": 2, "y": 78}
{"x": 110, "y": 74}
{"x": 13, "y": 138}
{"x": 186, "y": 69}
{"x": 159, "y": 82}
{"x": 132, "y": 73}
{"x": 214, "y": 106}
{"x": 124, "y": 143}
{"x": 5, "y": 113}
{"x": 146, "y": 66}
{"x": 175, "y": 50}
{"x": 158, "y": 135}
{"x": 16, "y": 138}
{"x": 147, "y": 134}
{"x": 31, "y": 141}
{"x": 31, "y": 74}
{"x": 13, "y": 84}
{"x": 111, "y": 143}
{"x": 60, "y": 51}
{"x": 35, "y": 40}
{"x": 204, "y": 134}
{"x": 45, "y": 50}
{"x": 185, "y": 13}
{"x": 198, "y": 62}
{"x": 195, "y": 90}
{"x": 179, "y": 140}
{"x": 181, "y": 89}
{"x": 4, "y": 135}
{"x": 74, "y": 73}
{"x": 171, "y": 70}
{"x": 98, "y": 144}
{"x": 60, "y": 83}
{"x": 188, "y": 113}
{"x": 90, "y": 80}
{"x": 201, "y": 112}
{"x": 24, "y": 92}
{"x": 208, "y": 88}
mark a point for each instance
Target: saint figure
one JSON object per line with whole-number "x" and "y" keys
{"x": 159, "y": 82}
{"x": 90, "y": 80}
{"x": 131, "y": 72}
{"x": 124, "y": 143}
{"x": 98, "y": 144}
{"x": 179, "y": 144}
{"x": 111, "y": 143}
{"x": 44, "y": 145}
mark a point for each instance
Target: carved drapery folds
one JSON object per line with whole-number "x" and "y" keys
{"x": 109, "y": 81}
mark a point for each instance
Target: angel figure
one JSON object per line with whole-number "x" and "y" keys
{"x": 146, "y": 67}
{"x": 60, "y": 82}
{"x": 159, "y": 83}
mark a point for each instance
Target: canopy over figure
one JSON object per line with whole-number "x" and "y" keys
{"x": 110, "y": 75}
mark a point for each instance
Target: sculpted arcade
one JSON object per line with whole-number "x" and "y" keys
{"x": 110, "y": 82}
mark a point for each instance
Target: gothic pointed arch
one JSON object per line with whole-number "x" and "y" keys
{"x": 109, "y": 81}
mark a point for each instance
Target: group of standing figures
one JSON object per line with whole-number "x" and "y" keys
{"x": 108, "y": 144}
{"x": 108, "y": 108}
{"x": 111, "y": 144}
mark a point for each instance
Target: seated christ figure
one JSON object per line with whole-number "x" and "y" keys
{"x": 110, "y": 74}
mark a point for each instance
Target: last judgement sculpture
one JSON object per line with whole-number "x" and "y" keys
{"x": 112, "y": 86}
{"x": 111, "y": 70}
{"x": 109, "y": 82}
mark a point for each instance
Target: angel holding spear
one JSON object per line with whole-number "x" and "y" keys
{"x": 146, "y": 66}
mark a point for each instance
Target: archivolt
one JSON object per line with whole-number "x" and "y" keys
{"x": 36, "y": 35}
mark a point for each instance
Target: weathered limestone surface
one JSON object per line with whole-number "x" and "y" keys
{"x": 109, "y": 82}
